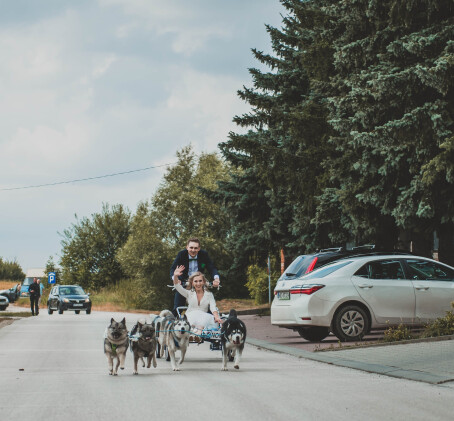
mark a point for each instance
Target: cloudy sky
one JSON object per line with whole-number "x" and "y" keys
{"x": 95, "y": 87}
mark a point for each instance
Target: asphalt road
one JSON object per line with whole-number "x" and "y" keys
{"x": 53, "y": 367}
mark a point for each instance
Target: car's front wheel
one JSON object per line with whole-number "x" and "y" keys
{"x": 49, "y": 310}
{"x": 77, "y": 311}
{"x": 350, "y": 323}
{"x": 313, "y": 333}
{"x": 89, "y": 310}
{"x": 60, "y": 309}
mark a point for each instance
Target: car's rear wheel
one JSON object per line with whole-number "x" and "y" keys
{"x": 77, "y": 311}
{"x": 313, "y": 333}
{"x": 60, "y": 310}
{"x": 49, "y": 310}
{"x": 350, "y": 323}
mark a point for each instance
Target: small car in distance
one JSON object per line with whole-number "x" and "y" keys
{"x": 12, "y": 293}
{"x": 25, "y": 285}
{"x": 4, "y": 303}
{"x": 68, "y": 298}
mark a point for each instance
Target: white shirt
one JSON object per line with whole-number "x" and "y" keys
{"x": 207, "y": 301}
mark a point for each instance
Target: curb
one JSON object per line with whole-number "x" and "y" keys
{"x": 357, "y": 365}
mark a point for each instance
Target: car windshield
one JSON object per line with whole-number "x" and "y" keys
{"x": 322, "y": 272}
{"x": 72, "y": 291}
{"x": 27, "y": 281}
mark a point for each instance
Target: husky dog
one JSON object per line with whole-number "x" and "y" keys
{"x": 174, "y": 334}
{"x": 233, "y": 337}
{"x": 116, "y": 344}
{"x": 144, "y": 345}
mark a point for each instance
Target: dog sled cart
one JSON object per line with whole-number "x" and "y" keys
{"x": 210, "y": 334}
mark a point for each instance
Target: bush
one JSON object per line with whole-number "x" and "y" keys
{"x": 124, "y": 294}
{"x": 398, "y": 333}
{"x": 441, "y": 326}
{"x": 257, "y": 283}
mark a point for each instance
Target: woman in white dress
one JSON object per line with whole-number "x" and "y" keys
{"x": 200, "y": 300}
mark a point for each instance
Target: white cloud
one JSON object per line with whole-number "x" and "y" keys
{"x": 95, "y": 88}
{"x": 102, "y": 65}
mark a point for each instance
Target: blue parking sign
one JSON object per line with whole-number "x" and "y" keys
{"x": 51, "y": 277}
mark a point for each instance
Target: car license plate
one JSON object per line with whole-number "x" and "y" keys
{"x": 283, "y": 295}
{"x": 77, "y": 305}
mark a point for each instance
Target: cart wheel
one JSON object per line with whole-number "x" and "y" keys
{"x": 231, "y": 356}
{"x": 158, "y": 345}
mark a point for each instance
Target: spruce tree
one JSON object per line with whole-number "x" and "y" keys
{"x": 273, "y": 196}
{"x": 391, "y": 108}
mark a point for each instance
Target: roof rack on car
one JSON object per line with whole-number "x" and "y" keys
{"x": 364, "y": 247}
{"x": 331, "y": 249}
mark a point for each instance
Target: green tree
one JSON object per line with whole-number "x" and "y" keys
{"x": 90, "y": 247}
{"x": 279, "y": 172}
{"x": 11, "y": 270}
{"x": 391, "y": 108}
{"x": 145, "y": 258}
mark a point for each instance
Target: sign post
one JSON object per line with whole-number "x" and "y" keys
{"x": 269, "y": 280}
{"x": 51, "y": 278}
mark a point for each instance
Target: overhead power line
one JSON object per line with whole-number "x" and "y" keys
{"x": 85, "y": 179}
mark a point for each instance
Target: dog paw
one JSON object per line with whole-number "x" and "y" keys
{"x": 135, "y": 373}
{"x": 110, "y": 373}
{"x": 155, "y": 365}
{"x": 236, "y": 366}
{"x": 176, "y": 369}
{"x": 224, "y": 369}
{"x": 122, "y": 368}
{"x": 115, "y": 374}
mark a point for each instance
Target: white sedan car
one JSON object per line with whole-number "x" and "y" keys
{"x": 353, "y": 295}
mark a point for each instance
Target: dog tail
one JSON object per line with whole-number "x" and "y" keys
{"x": 165, "y": 313}
{"x": 232, "y": 313}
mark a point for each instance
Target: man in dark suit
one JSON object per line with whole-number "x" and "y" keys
{"x": 34, "y": 292}
{"x": 194, "y": 260}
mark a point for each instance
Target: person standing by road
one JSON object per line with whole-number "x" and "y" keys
{"x": 34, "y": 296}
{"x": 41, "y": 289}
{"x": 192, "y": 259}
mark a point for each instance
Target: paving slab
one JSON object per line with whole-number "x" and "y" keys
{"x": 429, "y": 361}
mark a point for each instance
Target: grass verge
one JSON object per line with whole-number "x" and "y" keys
{"x": 8, "y": 315}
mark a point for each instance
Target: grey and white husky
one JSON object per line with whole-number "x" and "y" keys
{"x": 116, "y": 344}
{"x": 144, "y": 344}
{"x": 173, "y": 334}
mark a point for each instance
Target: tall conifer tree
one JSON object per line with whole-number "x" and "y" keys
{"x": 393, "y": 113}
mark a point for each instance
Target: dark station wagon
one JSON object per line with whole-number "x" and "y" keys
{"x": 68, "y": 297}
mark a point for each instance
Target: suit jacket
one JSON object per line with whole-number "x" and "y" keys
{"x": 203, "y": 261}
{"x": 33, "y": 289}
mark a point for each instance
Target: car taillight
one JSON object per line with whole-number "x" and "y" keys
{"x": 311, "y": 266}
{"x": 306, "y": 289}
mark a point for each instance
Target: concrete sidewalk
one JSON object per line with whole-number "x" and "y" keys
{"x": 430, "y": 361}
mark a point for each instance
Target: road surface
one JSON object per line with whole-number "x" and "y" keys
{"x": 53, "y": 367}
